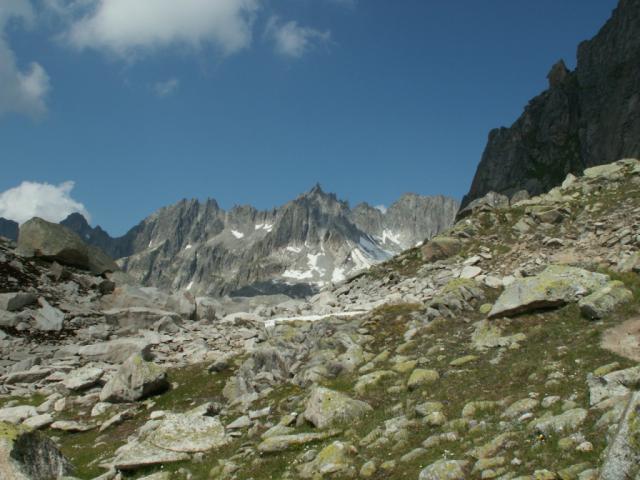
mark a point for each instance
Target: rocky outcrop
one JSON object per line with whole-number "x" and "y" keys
{"x": 295, "y": 249}
{"x": 50, "y": 241}
{"x": 26, "y": 455}
{"x": 589, "y": 116}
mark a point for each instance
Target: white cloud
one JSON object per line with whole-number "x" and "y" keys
{"x": 32, "y": 199}
{"x": 129, "y": 27}
{"x": 293, "y": 40}
{"x": 22, "y": 91}
{"x": 166, "y": 88}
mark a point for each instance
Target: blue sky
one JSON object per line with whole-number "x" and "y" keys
{"x": 142, "y": 103}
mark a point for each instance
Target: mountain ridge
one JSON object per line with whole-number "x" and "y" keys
{"x": 312, "y": 240}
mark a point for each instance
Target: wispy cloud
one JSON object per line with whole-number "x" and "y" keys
{"x": 293, "y": 40}
{"x": 22, "y": 91}
{"x": 32, "y": 199}
{"x": 128, "y": 28}
{"x": 166, "y": 88}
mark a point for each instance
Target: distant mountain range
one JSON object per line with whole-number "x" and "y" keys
{"x": 295, "y": 249}
{"x": 589, "y": 116}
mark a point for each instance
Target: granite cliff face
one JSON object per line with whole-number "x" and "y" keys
{"x": 587, "y": 117}
{"x": 310, "y": 241}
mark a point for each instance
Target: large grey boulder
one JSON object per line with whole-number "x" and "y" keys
{"x": 48, "y": 318}
{"x": 29, "y": 455}
{"x": 115, "y": 351}
{"x": 51, "y": 241}
{"x": 135, "y": 379}
{"x": 556, "y": 286}
{"x": 326, "y": 408}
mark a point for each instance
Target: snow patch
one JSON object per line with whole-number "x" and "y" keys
{"x": 391, "y": 236}
{"x": 237, "y": 234}
{"x": 297, "y": 274}
{"x": 188, "y": 247}
{"x": 293, "y": 249}
{"x": 190, "y": 285}
{"x": 381, "y": 208}
{"x": 338, "y": 275}
{"x": 264, "y": 226}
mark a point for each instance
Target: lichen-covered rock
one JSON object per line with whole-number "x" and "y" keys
{"x": 445, "y": 470}
{"x": 557, "y": 285}
{"x": 335, "y": 458}
{"x": 189, "y": 432}
{"x": 422, "y": 376}
{"x": 326, "y": 408}
{"x": 622, "y": 457}
{"x": 29, "y": 455}
{"x": 370, "y": 380}
{"x": 603, "y": 302}
{"x": 565, "y": 422}
{"x": 135, "y": 379}
{"x": 488, "y": 335}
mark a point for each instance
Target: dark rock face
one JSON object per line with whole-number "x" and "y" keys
{"x": 307, "y": 242}
{"x": 587, "y": 117}
{"x": 8, "y": 229}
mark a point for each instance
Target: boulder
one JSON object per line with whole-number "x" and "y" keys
{"x": 334, "y": 459}
{"x": 326, "y": 408}
{"x": 29, "y": 455}
{"x": 613, "y": 384}
{"x": 135, "y": 379}
{"x": 604, "y": 301}
{"x": 115, "y": 351}
{"x": 82, "y": 378}
{"x": 420, "y": 377}
{"x": 556, "y": 286}
{"x": 565, "y": 422}
{"x": 15, "y": 301}
{"x": 51, "y": 241}
{"x": 16, "y": 415}
{"x": 440, "y": 248}
{"x": 189, "y": 433}
{"x": 48, "y": 318}
{"x": 445, "y": 470}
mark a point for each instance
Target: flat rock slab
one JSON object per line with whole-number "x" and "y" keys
{"x": 279, "y": 443}
{"x": 624, "y": 339}
{"x": 136, "y": 455}
{"x": 115, "y": 351}
{"x": 189, "y": 433}
{"x": 83, "y": 378}
{"x": 71, "y": 426}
